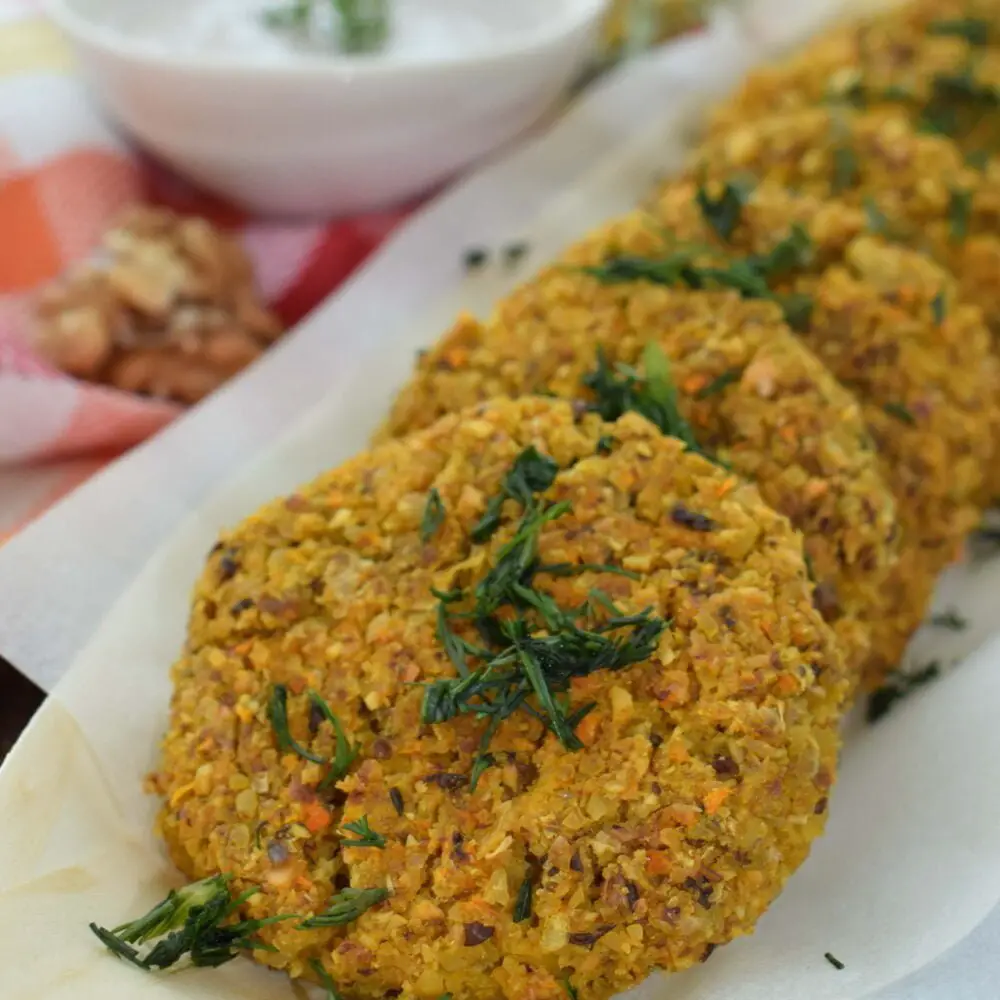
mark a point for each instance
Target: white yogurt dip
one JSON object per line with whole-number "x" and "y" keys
{"x": 237, "y": 30}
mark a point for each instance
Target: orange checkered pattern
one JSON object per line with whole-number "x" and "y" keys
{"x": 63, "y": 177}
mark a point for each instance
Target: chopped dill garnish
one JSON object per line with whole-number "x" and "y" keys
{"x": 894, "y": 92}
{"x": 950, "y": 620}
{"x": 531, "y": 473}
{"x": 528, "y": 657}
{"x": 720, "y": 383}
{"x": 622, "y": 390}
{"x": 810, "y": 569}
{"x": 513, "y": 252}
{"x": 482, "y": 763}
{"x": 835, "y": 962}
{"x": 190, "y": 922}
{"x": 605, "y": 444}
{"x": 474, "y": 258}
{"x": 366, "y": 836}
{"x": 360, "y": 26}
{"x": 278, "y": 714}
{"x": 570, "y": 989}
{"x": 396, "y": 798}
{"x": 723, "y": 214}
{"x": 900, "y": 412}
{"x": 978, "y": 159}
{"x": 974, "y": 30}
{"x": 434, "y": 514}
{"x": 938, "y": 308}
{"x": 346, "y": 907}
{"x": 325, "y": 980}
{"x": 344, "y": 753}
{"x": 845, "y": 169}
{"x": 958, "y": 100}
{"x": 897, "y": 686}
{"x": 522, "y": 905}
{"x": 798, "y": 309}
{"x": 959, "y": 211}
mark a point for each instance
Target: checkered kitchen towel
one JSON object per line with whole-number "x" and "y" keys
{"x": 63, "y": 177}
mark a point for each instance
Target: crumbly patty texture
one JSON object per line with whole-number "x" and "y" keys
{"x": 705, "y": 770}
{"x": 897, "y": 59}
{"x": 914, "y": 186}
{"x": 755, "y": 396}
{"x": 890, "y": 324}
{"x": 887, "y": 323}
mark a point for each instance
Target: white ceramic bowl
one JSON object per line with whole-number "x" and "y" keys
{"x": 324, "y": 135}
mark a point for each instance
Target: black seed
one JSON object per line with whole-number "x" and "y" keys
{"x": 449, "y": 782}
{"x": 474, "y": 258}
{"x": 632, "y": 895}
{"x": 709, "y": 948}
{"x": 457, "y": 851}
{"x": 396, "y": 797}
{"x": 589, "y": 940}
{"x": 476, "y": 933}
{"x": 691, "y": 519}
{"x": 820, "y": 806}
{"x": 656, "y": 740}
{"x": 240, "y": 606}
{"x": 575, "y": 863}
{"x": 228, "y": 567}
{"x": 835, "y": 962}
{"x": 725, "y": 767}
{"x": 703, "y": 888}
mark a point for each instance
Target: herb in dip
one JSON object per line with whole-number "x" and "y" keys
{"x": 358, "y": 25}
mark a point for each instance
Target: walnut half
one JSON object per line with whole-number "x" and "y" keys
{"x": 167, "y": 308}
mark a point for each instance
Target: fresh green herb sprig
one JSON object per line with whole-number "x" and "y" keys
{"x": 901, "y": 413}
{"x": 366, "y": 836}
{"x": 653, "y": 394}
{"x": 896, "y": 687}
{"x": 974, "y": 30}
{"x": 724, "y": 213}
{"x": 950, "y": 620}
{"x": 344, "y": 753}
{"x": 434, "y": 515}
{"x": 346, "y": 907}
{"x": 359, "y": 26}
{"x": 325, "y": 980}
{"x": 522, "y": 905}
{"x": 531, "y": 473}
{"x": 750, "y": 275}
{"x": 193, "y": 923}
{"x": 958, "y": 101}
{"x": 525, "y": 660}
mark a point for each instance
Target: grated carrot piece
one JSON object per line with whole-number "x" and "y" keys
{"x": 315, "y": 817}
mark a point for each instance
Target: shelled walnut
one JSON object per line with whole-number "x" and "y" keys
{"x": 167, "y": 308}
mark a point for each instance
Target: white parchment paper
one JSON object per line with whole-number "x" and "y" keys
{"x": 909, "y": 866}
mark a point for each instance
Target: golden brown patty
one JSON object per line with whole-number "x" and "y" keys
{"x": 928, "y": 61}
{"x": 887, "y": 323}
{"x": 915, "y": 187}
{"x": 705, "y": 769}
{"x": 756, "y": 399}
